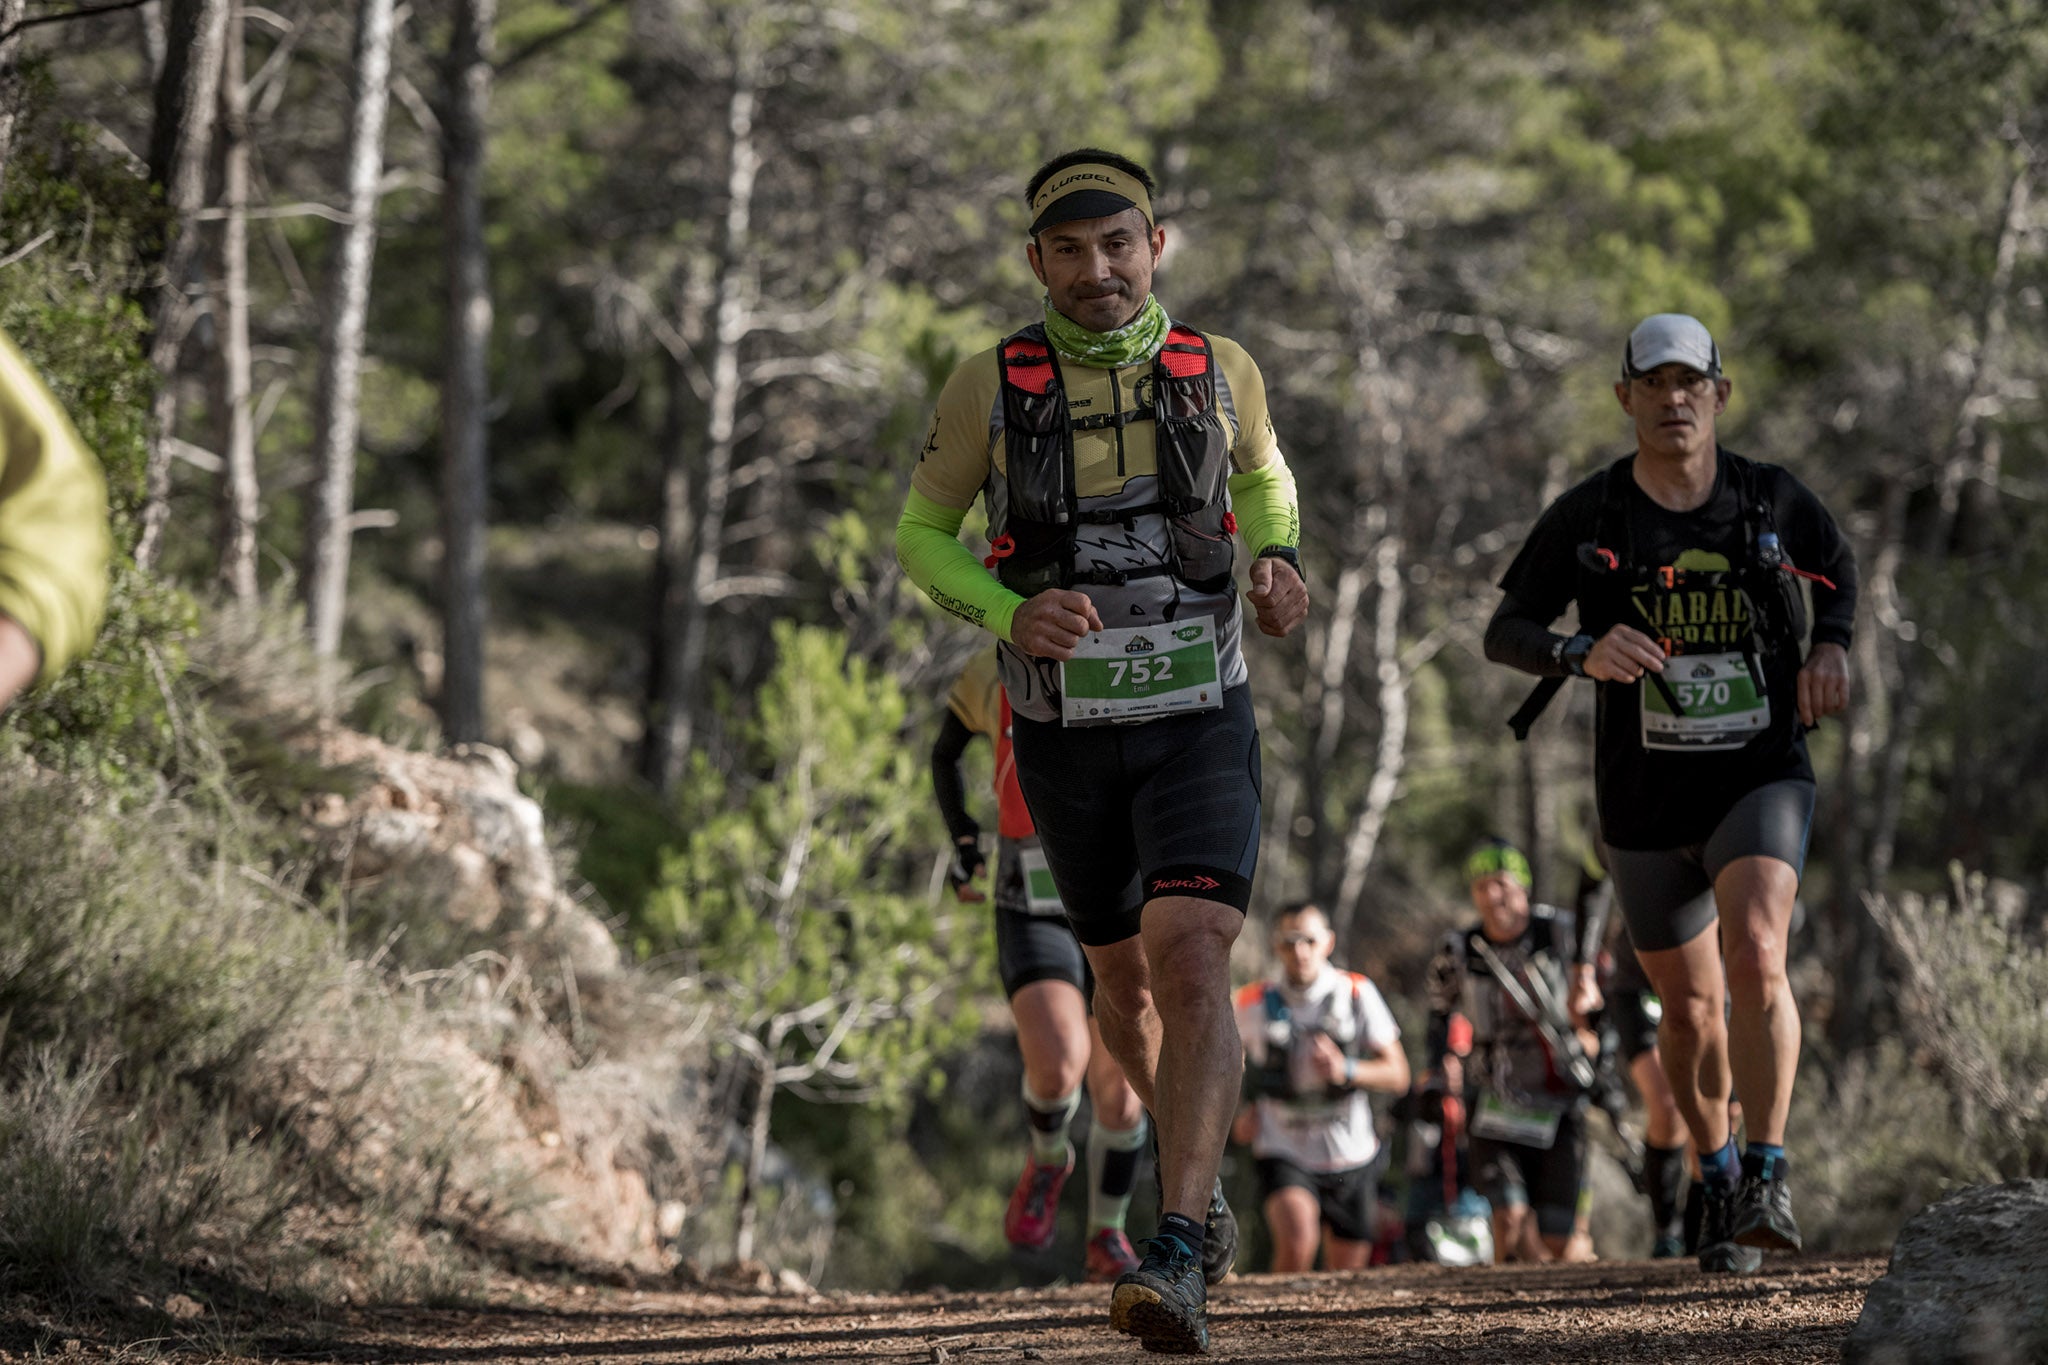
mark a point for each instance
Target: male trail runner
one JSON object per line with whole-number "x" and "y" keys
{"x": 1047, "y": 982}
{"x": 1527, "y": 1111}
{"x": 1120, "y": 453}
{"x": 1684, "y": 560}
{"x": 1316, "y": 1039}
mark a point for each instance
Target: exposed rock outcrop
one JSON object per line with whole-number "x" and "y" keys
{"x": 458, "y": 823}
{"x": 1966, "y": 1285}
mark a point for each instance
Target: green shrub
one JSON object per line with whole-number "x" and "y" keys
{"x": 1961, "y": 1099}
{"x": 146, "y": 933}
{"x": 66, "y": 304}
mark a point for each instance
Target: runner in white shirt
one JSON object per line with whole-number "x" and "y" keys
{"x": 1316, "y": 1039}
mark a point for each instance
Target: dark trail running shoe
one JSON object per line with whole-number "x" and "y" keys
{"x": 1219, "y": 1244}
{"x": 1762, "y": 1215}
{"x": 1163, "y": 1303}
{"x": 1719, "y": 1252}
{"x": 1219, "y": 1247}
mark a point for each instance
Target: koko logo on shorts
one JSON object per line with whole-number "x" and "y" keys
{"x": 1196, "y": 883}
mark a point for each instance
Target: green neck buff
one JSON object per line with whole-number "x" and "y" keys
{"x": 1135, "y": 341}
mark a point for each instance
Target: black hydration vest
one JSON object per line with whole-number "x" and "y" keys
{"x": 1608, "y": 578}
{"x": 1034, "y": 548}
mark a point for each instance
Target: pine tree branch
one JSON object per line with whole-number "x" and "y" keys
{"x": 553, "y": 36}
{"x": 85, "y": 12}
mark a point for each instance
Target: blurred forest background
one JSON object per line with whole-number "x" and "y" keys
{"x": 549, "y": 374}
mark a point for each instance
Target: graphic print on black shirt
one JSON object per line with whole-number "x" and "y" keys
{"x": 1664, "y": 779}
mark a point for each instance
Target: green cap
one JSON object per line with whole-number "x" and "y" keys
{"x": 1498, "y": 855}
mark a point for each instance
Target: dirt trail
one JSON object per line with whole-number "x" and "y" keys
{"x": 1798, "y": 1310}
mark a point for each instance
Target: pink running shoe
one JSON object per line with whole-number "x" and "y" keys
{"x": 1033, "y": 1216}
{"x": 1110, "y": 1254}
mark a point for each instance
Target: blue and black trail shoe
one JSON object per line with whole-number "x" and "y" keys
{"x": 1219, "y": 1246}
{"x": 1762, "y": 1216}
{"x": 1719, "y": 1252}
{"x": 1163, "y": 1303}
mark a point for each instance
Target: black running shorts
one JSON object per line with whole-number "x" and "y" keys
{"x": 1130, "y": 813}
{"x": 1551, "y": 1181}
{"x": 1032, "y": 947}
{"x": 1667, "y": 895}
{"x": 1632, "y": 1006}
{"x": 1349, "y": 1200}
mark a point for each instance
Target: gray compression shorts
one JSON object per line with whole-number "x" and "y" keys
{"x": 1667, "y": 895}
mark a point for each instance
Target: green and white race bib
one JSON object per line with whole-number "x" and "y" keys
{"x": 1723, "y": 709}
{"x": 1141, "y": 671}
{"x": 1529, "y": 1125}
{"x": 1041, "y": 897}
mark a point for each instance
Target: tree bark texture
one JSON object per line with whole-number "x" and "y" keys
{"x": 747, "y": 1217}
{"x": 1390, "y": 758}
{"x": 239, "y": 503}
{"x": 465, "y": 392}
{"x": 661, "y": 762}
{"x": 685, "y": 643}
{"x": 1962, "y": 460}
{"x": 11, "y": 12}
{"x": 186, "y": 92}
{"x": 338, "y": 416}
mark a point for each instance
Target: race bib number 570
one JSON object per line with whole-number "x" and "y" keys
{"x": 1722, "y": 707}
{"x": 1141, "y": 671}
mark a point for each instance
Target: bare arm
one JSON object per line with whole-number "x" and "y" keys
{"x": 20, "y": 660}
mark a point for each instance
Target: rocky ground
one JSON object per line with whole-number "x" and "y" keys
{"x": 1798, "y": 1310}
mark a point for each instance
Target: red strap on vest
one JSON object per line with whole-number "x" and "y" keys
{"x": 1184, "y": 354}
{"x": 1028, "y": 365}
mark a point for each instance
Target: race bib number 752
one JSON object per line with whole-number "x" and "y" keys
{"x": 1140, "y": 671}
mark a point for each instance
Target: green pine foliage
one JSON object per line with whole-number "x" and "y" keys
{"x": 67, "y": 305}
{"x": 806, "y": 878}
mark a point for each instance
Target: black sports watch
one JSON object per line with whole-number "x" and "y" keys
{"x": 1572, "y": 654}
{"x": 1287, "y": 555}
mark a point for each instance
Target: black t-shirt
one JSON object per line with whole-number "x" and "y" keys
{"x": 1653, "y": 795}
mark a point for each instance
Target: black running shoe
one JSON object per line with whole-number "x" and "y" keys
{"x": 1163, "y": 1303}
{"x": 1719, "y": 1252}
{"x": 1762, "y": 1215}
{"x": 1219, "y": 1245}
{"x": 1668, "y": 1246}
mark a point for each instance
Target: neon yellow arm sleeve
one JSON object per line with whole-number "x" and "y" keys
{"x": 1268, "y": 512}
{"x": 54, "y": 541}
{"x": 929, "y": 549}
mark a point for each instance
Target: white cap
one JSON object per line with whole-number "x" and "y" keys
{"x": 1667, "y": 339}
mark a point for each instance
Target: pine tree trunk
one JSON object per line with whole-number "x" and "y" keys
{"x": 465, "y": 393}
{"x": 324, "y": 577}
{"x": 685, "y": 647}
{"x": 747, "y": 1217}
{"x": 665, "y": 746}
{"x": 239, "y": 494}
{"x": 1390, "y": 760}
{"x": 11, "y": 12}
{"x": 179, "y": 138}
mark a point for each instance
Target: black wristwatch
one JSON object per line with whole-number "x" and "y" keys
{"x": 1287, "y": 555}
{"x": 1572, "y": 654}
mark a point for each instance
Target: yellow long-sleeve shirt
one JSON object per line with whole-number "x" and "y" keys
{"x": 54, "y": 541}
